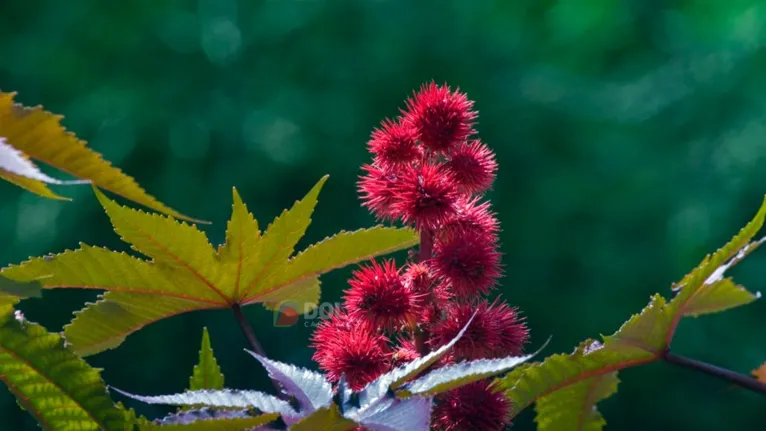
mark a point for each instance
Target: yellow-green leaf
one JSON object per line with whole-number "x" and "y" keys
{"x": 337, "y": 251}
{"x": 207, "y": 374}
{"x": 719, "y": 296}
{"x": 242, "y": 236}
{"x": 39, "y": 135}
{"x": 325, "y": 419}
{"x": 58, "y": 388}
{"x": 642, "y": 339}
{"x": 695, "y": 291}
{"x": 301, "y": 296}
{"x": 635, "y": 343}
{"x": 186, "y": 273}
{"x": 574, "y": 407}
{"x": 278, "y": 243}
{"x": 28, "y": 184}
{"x": 12, "y": 291}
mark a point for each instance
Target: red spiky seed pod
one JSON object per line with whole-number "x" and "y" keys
{"x": 473, "y": 165}
{"x": 497, "y": 331}
{"x": 425, "y": 196}
{"x": 378, "y": 297}
{"x": 472, "y": 217}
{"x": 442, "y": 118}
{"x": 377, "y": 189}
{"x": 469, "y": 263}
{"x": 395, "y": 145}
{"x": 472, "y": 407}
{"x": 406, "y": 352}
{"x": 345, "y": 348}
{"x": 432, "y": 296}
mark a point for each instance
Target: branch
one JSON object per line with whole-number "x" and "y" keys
{"x": 738, "y": 379}
{"x": 425, "y": 253}
{"x": 253, "y": 341}
{"x": 248, "y": 330}
{"x": 426, "y": 245}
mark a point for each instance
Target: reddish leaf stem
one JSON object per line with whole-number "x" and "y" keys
{"x": 247, "y": 330}
{"x": 741, "y": 380}
{"x": 425, "y": 253}
{"x": 252, "y": 340}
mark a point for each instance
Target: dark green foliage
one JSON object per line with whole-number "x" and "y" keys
{"x": 51, "y": 383}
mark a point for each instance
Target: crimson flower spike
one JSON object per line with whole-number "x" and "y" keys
{"x": 429, "y": 171}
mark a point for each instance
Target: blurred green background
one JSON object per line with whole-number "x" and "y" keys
{"x": 630, "y": 137}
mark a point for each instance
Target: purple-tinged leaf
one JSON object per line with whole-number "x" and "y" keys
{"x": 310, "y": 389}
{"x": 221, "y": 398}
{"x": 204, "y": 413}
{"x": 456, "y": 375}
{"x": 412, "y": 414}
{"x": 375, "y": 391}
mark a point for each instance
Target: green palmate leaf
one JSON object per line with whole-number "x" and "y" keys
{"x": 333, "y": 252}
{"x": 18, "y": 169}
{"x": 49, "y": 381}
{"x": 301, "y": 296}
{"x": 207, "y": 374}
{"x": 39, "y": 135}
{"x": 644, "y": 338}
{"x": 703, "y": 290}
{"x": 719, "y": 296}
{"x": 574, "y": 407}
{"x": 638, "y": 341}
{"x": 13, "y": 291}
{"x": 186, "y": 273}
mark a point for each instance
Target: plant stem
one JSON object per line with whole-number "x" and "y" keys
{"x": 426, "y": 245}
{"x": 425, "y": 253}
{"x": 253, "y": 341}
{"x": 738, "y": 379}
{"x": 248, "y": 330}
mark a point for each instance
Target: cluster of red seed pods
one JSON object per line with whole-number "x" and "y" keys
{"x": 428, "y": 171}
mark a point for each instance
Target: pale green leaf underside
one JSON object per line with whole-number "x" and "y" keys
{"x": 574, "y": 407}
{"x": 59, "y": 389}
{"x": 207, "y": 374}
{"x": 186, "y": 273}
